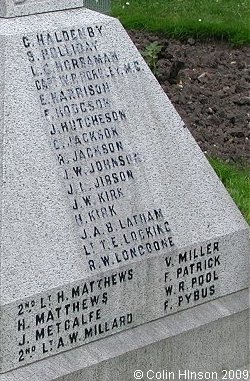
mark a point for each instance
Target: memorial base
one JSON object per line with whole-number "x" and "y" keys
{"x": 211, "y": 338}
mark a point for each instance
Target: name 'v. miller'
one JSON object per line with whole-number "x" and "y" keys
{"x": 206, "y": 249}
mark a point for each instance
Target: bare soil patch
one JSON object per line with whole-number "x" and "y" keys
{"x": 208, "y": 83}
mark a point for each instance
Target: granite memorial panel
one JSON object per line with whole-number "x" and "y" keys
{"x": 111, "y": 215}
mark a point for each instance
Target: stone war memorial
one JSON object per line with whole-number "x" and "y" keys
{"x": 122, "y": 255}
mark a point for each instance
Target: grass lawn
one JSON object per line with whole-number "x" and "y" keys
{"x": 222, "y": 19}
{"x": 237, "y": 181}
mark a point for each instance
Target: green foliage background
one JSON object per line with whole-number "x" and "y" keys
{"x": 221, "y": 19}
